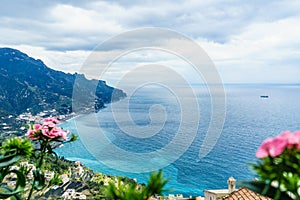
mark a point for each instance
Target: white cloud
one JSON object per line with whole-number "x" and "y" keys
{"x": 67, "y": 61}
{"x": 77, "y": 21}
{"x": 266, "y": 48}
{"x": 246, "y": 41}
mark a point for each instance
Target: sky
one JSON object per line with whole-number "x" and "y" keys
{"x": 257, "y": 42}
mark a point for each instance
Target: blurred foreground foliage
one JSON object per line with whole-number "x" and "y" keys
{"x": 133, "y": 191}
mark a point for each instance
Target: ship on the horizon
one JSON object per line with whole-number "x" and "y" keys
{"x": 264, "y": 96}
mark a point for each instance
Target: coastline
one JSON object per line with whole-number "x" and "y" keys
{"x": 74, "y": 115}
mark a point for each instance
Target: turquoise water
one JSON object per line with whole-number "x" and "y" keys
{"x": 249, "y": 120}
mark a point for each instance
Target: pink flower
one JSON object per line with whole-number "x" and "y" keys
{"x": 55, "y": 132}
{"x": 47, "y": 130}
{"x": 277, "y": 146}
{"x": 292, "y": 139}
{"x": 49, "y": 124}
{"x": 60, "y": 132}
{"x": 263, "y": 150}
{"x": 37, "y": 127}
{"x": 33, "y": 135}
{"x": 51, "y": 119}
{"x": 289, "y": 137}
{"x": 271, "y": 147}
{"x": 297, "y": 138}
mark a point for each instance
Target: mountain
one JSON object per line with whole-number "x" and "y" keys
{"x": 27, "y": 84}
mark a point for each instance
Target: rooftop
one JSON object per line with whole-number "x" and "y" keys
{"x": 245, "y": 194}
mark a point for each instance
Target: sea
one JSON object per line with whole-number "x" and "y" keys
{"x": 140, "y": 133}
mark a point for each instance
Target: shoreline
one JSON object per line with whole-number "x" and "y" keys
{"x": 74, "y": 115}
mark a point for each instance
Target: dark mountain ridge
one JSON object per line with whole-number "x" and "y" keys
{"x": 27, "y": 84}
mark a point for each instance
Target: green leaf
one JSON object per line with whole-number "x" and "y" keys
{"x": 21, "y": 180}
{"x": 6, "y": 192}
{"x": 155, "y": 184}
{"x": 6, "y": 161}
{"x": 20, "y": 146}
{"x": 20, "y": 185}
{"x": 39, "y": 180}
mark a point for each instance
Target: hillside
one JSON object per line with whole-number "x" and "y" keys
{"x": 27, "y": 84}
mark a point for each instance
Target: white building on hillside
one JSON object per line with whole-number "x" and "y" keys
{"x": 72, "y": 194}
{"x": 220, "y": 193}
{"x": 68, "y": 194}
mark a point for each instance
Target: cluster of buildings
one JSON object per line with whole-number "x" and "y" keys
{"x": 72, "y": 194}
{"x": 65, "y": 189}
{"x": 28, "y": 117}
{"x": 7, "y": 125}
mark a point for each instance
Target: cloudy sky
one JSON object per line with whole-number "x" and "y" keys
{"x": 255, "y": 42}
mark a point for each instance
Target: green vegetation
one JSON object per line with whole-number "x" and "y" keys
{"x": 134, "y": 191}
{"x": 20, "y": 147}
{"x": 9, "y": 157}
{"x": 27, "y": 83}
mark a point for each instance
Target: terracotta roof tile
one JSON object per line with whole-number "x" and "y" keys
{"x": 245, "y": 194}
